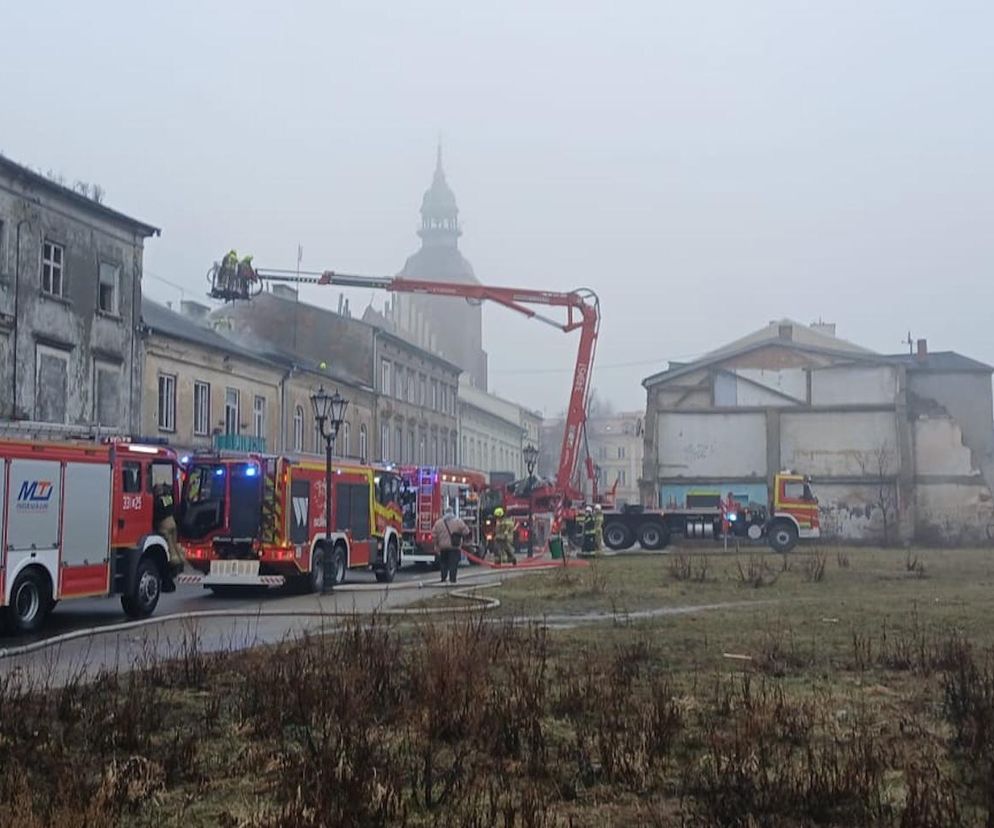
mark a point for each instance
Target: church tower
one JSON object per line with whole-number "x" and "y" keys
{"x": 450, "y": 327}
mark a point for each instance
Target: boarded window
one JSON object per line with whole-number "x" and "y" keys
{"x": 51, "y": 385}
{"x": 107, "y": 394}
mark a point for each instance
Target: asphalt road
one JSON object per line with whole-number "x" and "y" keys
{"x": 124, "y": 649}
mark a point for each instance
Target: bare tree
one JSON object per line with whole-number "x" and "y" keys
{"x": 876, "y": 465}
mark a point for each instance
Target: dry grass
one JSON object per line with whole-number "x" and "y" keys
{"x": 865, "y": 697}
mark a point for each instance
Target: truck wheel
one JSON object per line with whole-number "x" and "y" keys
{"x": 653, "y": 535}
{"x": 30, "y": 601}
{"x": 144, "y": 596}
{"x": 389, "y": 571}
{"x": 339, "y": 565}
{"x": 618, "y": 536}
{"x": 783, "y": 536}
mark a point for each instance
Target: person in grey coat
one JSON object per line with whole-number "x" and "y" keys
{"x": 449, "y": 533}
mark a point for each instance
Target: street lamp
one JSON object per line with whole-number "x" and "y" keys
{"x": 329, "y": 414}
{"x": 530, "y": 455}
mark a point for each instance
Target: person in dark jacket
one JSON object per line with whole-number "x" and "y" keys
{"x": 449, "y": 533}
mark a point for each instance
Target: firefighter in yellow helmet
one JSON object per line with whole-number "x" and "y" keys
{"x": 227, "y": 273}
{"x": 503, "y": 537}
{"x": 246, "y": 277}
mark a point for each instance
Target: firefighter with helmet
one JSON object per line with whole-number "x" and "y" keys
{"x": 246, "y": 277}
{"x": 227, "y": 274}
{"x": 598, "y": 527}
{"x": 589, "y": 531}
{"x": 503, "y": 538}
{"x": 165, "y": 524}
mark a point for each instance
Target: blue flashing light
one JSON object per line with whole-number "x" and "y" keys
{"x": 184, "y": 459}
{"x": 733, "y": 517}
{"x": 251, "y": 471}
{"x": 219, "y": 471}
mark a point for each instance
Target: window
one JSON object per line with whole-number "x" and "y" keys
{"x": 167, "y": 402}
{"x": 345, "y": 441}
{"x": 3, "y": 247}
{"x": 52, "y": 258}
{"x": 434, "y": 450}
{"x": 412, "y": 386}
{"x": 384, "y": 441}
{"x": 622, "y": 478}
{"x": 201, "y": 409}
{"x": 423, "y": 395}
{"x": 131, "y": 477}
{"x": 602, "y": 452}
{"x": 107, "y": 290}
{"x": 398, "y": 376}
{"x": 385, "y": 376}
{"x": 106, "y": 394}
{"x": 422, "y": 451}
{"x": 363, "y": 442}
{"x": 399, "y": 437}
{"x": 259, "y": 416}
{"x": 454, "y": 449}
{"x": 434, "y": 395}
{"x": 232, "y": 418}
{"x": 445, "y": 397}
{"x": 621, "y": 452}
{"x": 444, "y": 460}
{"x": 51, "y": 384}
{"x": 410, "y": 445}
{"x": 797, "y": 491}
{"x": 298, "y": 429}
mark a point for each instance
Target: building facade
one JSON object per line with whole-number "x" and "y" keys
{"x": 70, "y": 299}
{"x": 617, "y": 445}
{"x": 449, "y": 327}
{"x": 206, "y": 388}
{"x": 492, "y": 432}
{"x": 408, "y": 392}
{"x": 899, "y": 447}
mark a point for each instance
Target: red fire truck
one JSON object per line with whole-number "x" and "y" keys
{"x": 427, "y": 492}
{"x": 259, "y": 520}
{"x": 76, "y": 521}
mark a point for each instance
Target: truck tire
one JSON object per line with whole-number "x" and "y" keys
{"x": 783, "y": 536}
{"x": 390, "y": 566}
{"x": 339, "y": 565}
{"x": 308, "y": 583}
{"x": 30, "y": 601}
{"x": 618, "y": 536}
{"x": 653, "y": 535}
{"x": 143, "y": 598}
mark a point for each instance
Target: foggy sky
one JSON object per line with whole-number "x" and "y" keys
{"x": 704, "y": 166}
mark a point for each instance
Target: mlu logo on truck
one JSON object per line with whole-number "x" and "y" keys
{"x": 35, "y": 494}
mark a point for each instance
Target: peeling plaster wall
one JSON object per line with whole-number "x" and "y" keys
{"x": 838, "y": 443}
{"x": 855, "y": 385}
{"x": 712, "y": 445}
{"x": 849, "y": 511}
{"x": 70, "y": 326}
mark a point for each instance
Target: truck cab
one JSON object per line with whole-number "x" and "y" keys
{"x": 794, "y": 511}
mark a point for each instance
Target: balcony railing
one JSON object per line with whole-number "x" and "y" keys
{"x": 239, "y": 442}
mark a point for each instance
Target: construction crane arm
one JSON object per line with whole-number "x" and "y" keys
{"x": 582, "y": 312}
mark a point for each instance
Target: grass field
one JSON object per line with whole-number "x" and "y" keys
{"x": 831, "y": 687}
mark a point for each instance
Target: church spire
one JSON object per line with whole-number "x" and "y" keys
{"x": 439, "y": 212}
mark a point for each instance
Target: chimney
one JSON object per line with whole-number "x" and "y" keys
{"x": 922, "y": 348}
{"x": 194, "y": 310}
{"x": 785, "y": 331}
{"x": 285, "y": 292}
{"x": 827, "y": 328}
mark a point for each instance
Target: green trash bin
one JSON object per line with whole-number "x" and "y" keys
{"x": 556, "y": 548}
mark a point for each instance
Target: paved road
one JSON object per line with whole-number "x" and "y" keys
{"x": 123, "y": 649}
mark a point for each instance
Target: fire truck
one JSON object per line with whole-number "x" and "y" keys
{"x": 427, "y": 492}
{"x": 76, "y": 521}
{"x": 792, "y": 516}
{"x": 259, "y": 520}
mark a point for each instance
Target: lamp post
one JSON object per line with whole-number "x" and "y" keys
{"x": 329, "y": 414}
{"x": 530, "y": 455}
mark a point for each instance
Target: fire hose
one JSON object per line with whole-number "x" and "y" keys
{"x": 477, "y": 603}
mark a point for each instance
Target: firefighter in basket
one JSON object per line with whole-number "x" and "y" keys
{"x": 504, "y": 538}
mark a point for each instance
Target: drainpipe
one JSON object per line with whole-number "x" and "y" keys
{"x": 17, "y": 285}
{"x": 286, "y": 377}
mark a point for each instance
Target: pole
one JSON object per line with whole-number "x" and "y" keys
{"x": 329, "y": 573}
